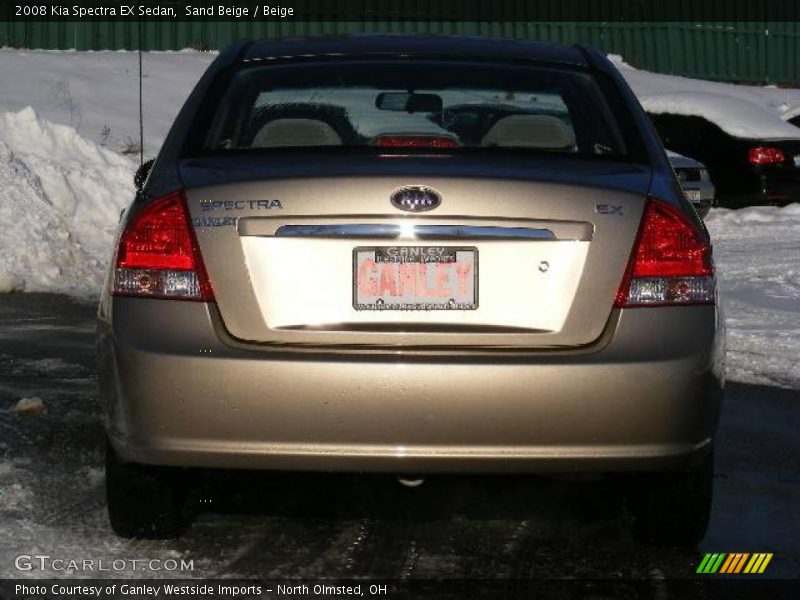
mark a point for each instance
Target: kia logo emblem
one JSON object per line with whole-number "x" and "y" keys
{"x": 416, "y": 198}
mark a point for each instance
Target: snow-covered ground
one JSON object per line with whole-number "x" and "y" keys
{"x": 757, "y": 251}
{"x": 68, "y": 135}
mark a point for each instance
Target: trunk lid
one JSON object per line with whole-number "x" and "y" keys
{"x": 540, "y": 251}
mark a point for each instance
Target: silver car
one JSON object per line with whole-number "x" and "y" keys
{"x": 411, "y": 256}
{"x": 695, "y": 182}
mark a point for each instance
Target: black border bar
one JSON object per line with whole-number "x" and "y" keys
{"x": 706, "y": 588}
{"x": 494, "y": 11}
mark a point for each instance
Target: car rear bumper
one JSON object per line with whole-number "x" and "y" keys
{"x": 646, "y": 397}
{"x": 768, "y": 190}
{"x": 782, "y": 189}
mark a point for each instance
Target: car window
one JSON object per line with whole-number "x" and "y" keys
{"x": 439, "y": 105}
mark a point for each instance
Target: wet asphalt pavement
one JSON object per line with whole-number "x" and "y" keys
{"x": 294, "y": 525}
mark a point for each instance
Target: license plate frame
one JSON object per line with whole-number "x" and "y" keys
{"x": 693, "y": 195}
{"x": 383, "y": 254}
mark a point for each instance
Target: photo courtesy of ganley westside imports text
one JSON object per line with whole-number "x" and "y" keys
{"x": 156, "y": 589}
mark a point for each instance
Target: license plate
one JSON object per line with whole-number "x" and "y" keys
{"x": 693, "y": 195}
{"x": 415, "y": 278}
{"x": 797, "y": 160}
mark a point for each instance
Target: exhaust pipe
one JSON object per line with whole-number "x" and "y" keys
{"x": 411, "y": 481}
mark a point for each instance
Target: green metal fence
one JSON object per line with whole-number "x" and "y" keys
{"x": 752, "y": 51}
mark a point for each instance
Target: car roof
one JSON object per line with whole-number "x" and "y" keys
{"x": 349, "y": 46}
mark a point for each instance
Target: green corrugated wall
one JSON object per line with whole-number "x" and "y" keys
{"x": 729, "y": 51}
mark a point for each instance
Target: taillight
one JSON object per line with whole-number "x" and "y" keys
{"x": 761, "y": 155}
{"x": 415, "y": 141}
{"x": 670, "y": 264}
{"x": 158, "y": 255}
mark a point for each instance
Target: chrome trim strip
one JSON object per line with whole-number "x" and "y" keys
{"x": 414, "y": 231}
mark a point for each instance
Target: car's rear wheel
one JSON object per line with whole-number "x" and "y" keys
{"x": 673, "y": 508}
{"x": 144, "y": 501}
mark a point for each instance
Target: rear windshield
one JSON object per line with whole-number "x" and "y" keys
{"x": 416, "y": 105}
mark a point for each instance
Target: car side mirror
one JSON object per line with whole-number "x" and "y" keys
{"x": 142, "y": 173}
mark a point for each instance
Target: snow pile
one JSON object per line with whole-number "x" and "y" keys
{"x": 757, "y": 251}
{"x": 60, "y": 200}
{"x": 97, "y": 93}
{"x": 740, "y": 110}
{"x": 9, "y": 283}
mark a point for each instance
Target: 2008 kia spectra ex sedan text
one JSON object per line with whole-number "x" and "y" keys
{"x": 412, "y": 255}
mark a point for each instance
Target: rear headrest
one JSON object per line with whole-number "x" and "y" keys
{"x": 296, "y": 132}
{"x": 530, "y": 131}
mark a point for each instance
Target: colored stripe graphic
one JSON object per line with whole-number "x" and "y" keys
{"x": 758, "y": 563}
{"x": 734, "y": 563}
{"x": 711, "y": 562}
{"x": 732, "y": 558}
{"x": 740, "y": 564}
{"x": 701, "y": 568}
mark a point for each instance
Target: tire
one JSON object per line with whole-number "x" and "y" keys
{"x": 673, "y": 509}
{"x": 144, "y": 501}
